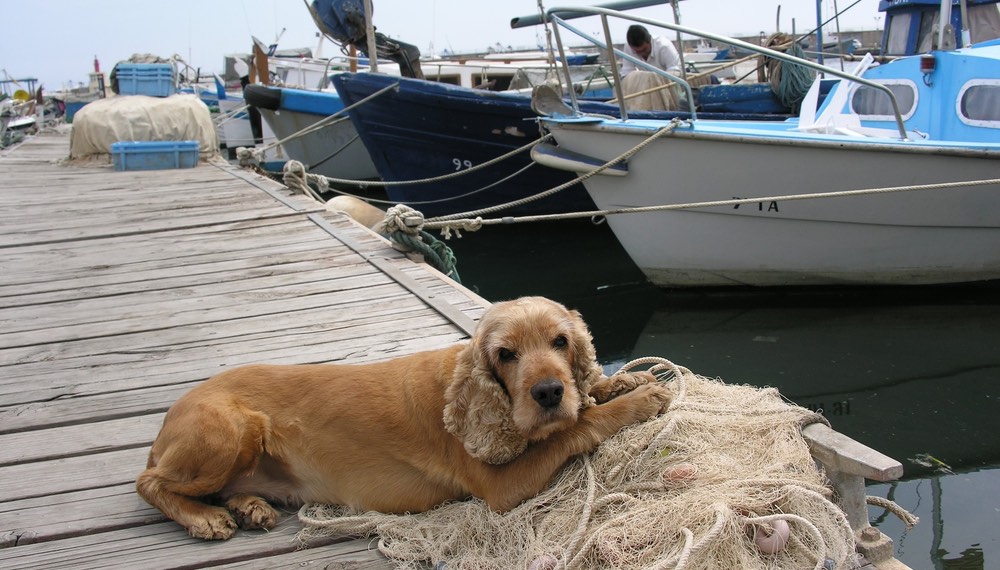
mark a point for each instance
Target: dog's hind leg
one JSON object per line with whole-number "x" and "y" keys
{"x": 199, "y": 450}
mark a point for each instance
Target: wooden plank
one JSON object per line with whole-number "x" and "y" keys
{"x": 74, "y": 441}
{"x": 154, "y": 346}
{"x": 299, "y": 297}
{"x": 352, "y": 555}
{"x": 99, "y": 401}
{"x": 155, "y": 547}
{"x": 398, "y": 344}
{"x": 77, "y": 513}
{"x": 43, "y": 478}
{"x": 841, "y": 453}
{"x": 165, "y": 302}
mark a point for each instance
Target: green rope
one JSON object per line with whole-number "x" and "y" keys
{"x": 436, "y": 253}
{"x": 795, "y": 81}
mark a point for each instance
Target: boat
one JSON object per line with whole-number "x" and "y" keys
{"x": 915, "y": 121}
{"x": 334, "y": 150}
{"x": 18, "y": 109}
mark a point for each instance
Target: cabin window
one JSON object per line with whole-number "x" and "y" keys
{"x": 927, "y": 36}
{"x": 899, "y": 31}
{"x": 874, "y": 105}
{"x": 979, "y": 103}
{"x": 984, "y": 21}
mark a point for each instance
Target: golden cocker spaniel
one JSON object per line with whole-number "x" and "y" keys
{"x": 493, "y": 418}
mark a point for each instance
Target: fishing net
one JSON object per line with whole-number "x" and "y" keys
{"x": 724, "y": 479}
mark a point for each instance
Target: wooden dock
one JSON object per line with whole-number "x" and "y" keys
{"x": 122, "y": 290}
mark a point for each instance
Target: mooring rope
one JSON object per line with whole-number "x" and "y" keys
{"x": 664, "y": 130}
{"x": 446, "y": 223}
{"x": 326, "y": 181}
{"x": 908, "y": 518}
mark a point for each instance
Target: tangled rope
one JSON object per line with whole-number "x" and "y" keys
{"x": 789, "y": 82}
{"x": 724, "y": 479}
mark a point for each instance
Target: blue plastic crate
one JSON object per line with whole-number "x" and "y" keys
{"x": 153, "y": 79}
{"x": 154, "y": 155}
{"x": 72, "y": 108}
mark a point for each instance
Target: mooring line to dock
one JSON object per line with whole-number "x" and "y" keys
{"x": 446, "y": 223}
{"x": 255, "y": 155}
{"x": 664, "y": 130}
{"x": 300, "y": 176}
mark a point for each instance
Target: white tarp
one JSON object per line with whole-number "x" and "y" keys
{"x": 101, "y": 123}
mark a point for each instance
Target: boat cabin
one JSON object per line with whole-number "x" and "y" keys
{"x": 911, "y": 26}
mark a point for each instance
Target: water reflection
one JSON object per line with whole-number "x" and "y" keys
{"x": 958, "y": 520}
{"x": 907, "y": 371}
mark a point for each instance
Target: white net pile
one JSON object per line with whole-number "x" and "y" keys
{"x": 724, "y": 479}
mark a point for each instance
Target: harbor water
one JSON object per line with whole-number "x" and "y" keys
{"x": 911, "y": 372}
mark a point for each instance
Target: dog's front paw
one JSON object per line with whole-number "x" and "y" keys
{"x": 252, "y": 512}
{"x": 610, "y": 388}
{"x": 216, "y": 524}
{"x": 649, "y": 400}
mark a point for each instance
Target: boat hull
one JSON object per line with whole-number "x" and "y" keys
{"x": 425, "y": 129}
{"x": 334, "y": 151}
{"x": 922, "y": 237}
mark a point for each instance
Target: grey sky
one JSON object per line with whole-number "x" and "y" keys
{"x": 56, "y": 40}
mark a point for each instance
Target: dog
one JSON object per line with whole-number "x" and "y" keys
{"x": 493, "y": 418}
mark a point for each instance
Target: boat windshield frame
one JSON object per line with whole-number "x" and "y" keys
{"x": 553, "y": 15}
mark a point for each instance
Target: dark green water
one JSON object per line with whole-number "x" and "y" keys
{"x": 911, "y": 372}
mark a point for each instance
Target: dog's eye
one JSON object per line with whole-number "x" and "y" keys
{"x": 507, "y": 355}
{"x": 560, "y": 342}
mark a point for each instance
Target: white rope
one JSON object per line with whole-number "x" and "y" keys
{"x": 449, "y": 176}
{"x": 909, "y": 519}
{"x": 588, "y": 506}
{"x": 337, "y": 117}
{"x": 438, "y": 223}
{"x": 666, "y": 129}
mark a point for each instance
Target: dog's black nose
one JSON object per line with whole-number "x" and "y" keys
{"x": 548, "y": 393}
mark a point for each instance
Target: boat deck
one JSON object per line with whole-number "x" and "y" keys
{"x": 122, "y": 290}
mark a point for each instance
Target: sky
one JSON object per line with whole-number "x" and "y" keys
{"x": 56, "y": 41}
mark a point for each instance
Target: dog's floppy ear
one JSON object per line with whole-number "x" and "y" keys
{"x": 478, "y": 411}
{"x": 586, "y": 370}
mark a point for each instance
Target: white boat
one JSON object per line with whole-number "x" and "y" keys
{"x": 946, "y": 130}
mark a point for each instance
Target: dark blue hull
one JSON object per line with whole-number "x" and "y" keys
{"x": 428, "y": 129}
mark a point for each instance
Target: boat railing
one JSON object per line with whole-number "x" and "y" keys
{"x": 559, "y": 16}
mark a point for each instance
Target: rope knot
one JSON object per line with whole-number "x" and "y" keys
{"x": 404, "y": 227}
{"x": 401, "y": 218}
{"x": 294, "y": 176}
{"x": 249, "y": 156}
{"x": 458, "y": 226}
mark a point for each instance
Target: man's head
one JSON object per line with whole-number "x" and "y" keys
{"x": 639, "y": 40}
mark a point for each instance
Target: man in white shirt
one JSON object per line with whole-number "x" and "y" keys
{"x": 656, "y": 51}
